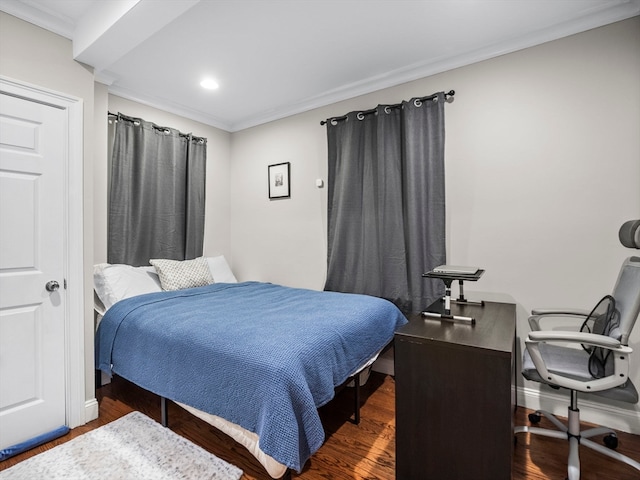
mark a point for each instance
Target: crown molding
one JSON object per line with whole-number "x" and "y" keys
{"x": 170, "y": 107}
{"x": 40, "y": 16}
{"x": 599, "y": 17}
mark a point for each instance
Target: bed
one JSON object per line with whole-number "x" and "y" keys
{"x": 254, "y": 359}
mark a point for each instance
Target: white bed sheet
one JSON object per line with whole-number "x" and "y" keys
{"x": 243, "y": 436}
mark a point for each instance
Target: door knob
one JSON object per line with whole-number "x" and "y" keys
{"x": 52, "y": 286}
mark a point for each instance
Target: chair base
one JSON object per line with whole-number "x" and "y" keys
{"x": 576, "y": 438}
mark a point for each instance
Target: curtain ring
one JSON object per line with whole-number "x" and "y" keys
{"x": 435, "y": 99}
{"x": 417, "y": 102}
{"x": 136, "y": 123}
{"x": 360, "y": 116}
{"x": 387, "y": 110}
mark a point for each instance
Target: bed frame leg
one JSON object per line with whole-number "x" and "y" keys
{"x": 287, "y": 475}
{"x": 356, "y": 395}
{"x": 164, "y": 413}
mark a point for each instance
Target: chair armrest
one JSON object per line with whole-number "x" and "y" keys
{"x": 621, "y": 359}
{"x": 580, "y": 337}
{"x": 560, "y": 311}
{"x": 548, "y": 313}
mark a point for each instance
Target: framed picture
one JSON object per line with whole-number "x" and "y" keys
{"x": 279, "y": 182}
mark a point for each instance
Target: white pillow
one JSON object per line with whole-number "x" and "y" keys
{"x": 179, "y": 274}
{"x": 220, "y": 270}
{"x": 113, "y": 283}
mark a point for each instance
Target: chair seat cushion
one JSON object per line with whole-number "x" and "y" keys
{"x": 573, "y": 363}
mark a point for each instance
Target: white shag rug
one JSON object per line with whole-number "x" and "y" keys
{"x": 133, "y": 447}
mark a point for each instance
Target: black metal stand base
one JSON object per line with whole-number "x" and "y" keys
{"x": 450, "y": 318}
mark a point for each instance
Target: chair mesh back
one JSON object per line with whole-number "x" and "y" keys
{"x": 603, "y": 320}
{"x": 627, "y": 295}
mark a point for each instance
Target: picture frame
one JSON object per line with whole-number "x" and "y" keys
{"x": 279, "y": 180}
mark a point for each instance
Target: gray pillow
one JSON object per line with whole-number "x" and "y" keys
{"x": 180, "y": 274}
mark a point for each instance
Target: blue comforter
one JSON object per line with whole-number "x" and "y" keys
{"x": 260, "y": 355}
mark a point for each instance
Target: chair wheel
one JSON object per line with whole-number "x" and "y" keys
{"x": 534, "y": 417}
{"x": 611, "y": 441}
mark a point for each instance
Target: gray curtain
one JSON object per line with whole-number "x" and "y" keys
{"x": 156, "y": 193}
{"x": 386, "y": 202}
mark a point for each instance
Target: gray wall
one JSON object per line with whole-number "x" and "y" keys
{"x": 542, "y": 168}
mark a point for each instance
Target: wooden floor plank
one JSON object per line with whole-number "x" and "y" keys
{"x": 351, "y": 452}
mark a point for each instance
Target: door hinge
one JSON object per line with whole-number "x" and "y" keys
{"x": 65, "y": 283}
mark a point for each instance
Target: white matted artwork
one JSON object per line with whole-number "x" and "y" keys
{"x": 279, "y": 181}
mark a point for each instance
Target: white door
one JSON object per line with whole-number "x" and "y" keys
{"x": 33, "y": 150}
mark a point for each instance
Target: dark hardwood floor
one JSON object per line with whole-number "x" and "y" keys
{"x": 366, "y": 451}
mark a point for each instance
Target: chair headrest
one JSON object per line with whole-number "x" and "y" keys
{"x": 629, "y": 234}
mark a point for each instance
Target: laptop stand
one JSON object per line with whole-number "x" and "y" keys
{"x": 448, "y": 279}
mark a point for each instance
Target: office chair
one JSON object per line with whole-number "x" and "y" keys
{"x": 549, "y": 359}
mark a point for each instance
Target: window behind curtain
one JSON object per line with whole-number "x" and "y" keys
{"x": 386, "y": 202}
{"x": 156, "y": 193}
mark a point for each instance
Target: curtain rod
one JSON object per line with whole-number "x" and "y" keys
{"x": 417, "y": 101}
{"x": 165, "y": 129}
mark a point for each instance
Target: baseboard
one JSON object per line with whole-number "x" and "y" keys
{"x": 90, "y": 410}
{"x": 625, "y": 420}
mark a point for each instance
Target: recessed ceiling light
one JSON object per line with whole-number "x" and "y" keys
{"x": 209, "y": 84}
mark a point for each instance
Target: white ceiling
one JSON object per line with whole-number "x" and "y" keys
{"x": 274, "y": 58}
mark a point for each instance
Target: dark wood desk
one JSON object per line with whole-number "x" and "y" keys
{"x": 455, "y": 395}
